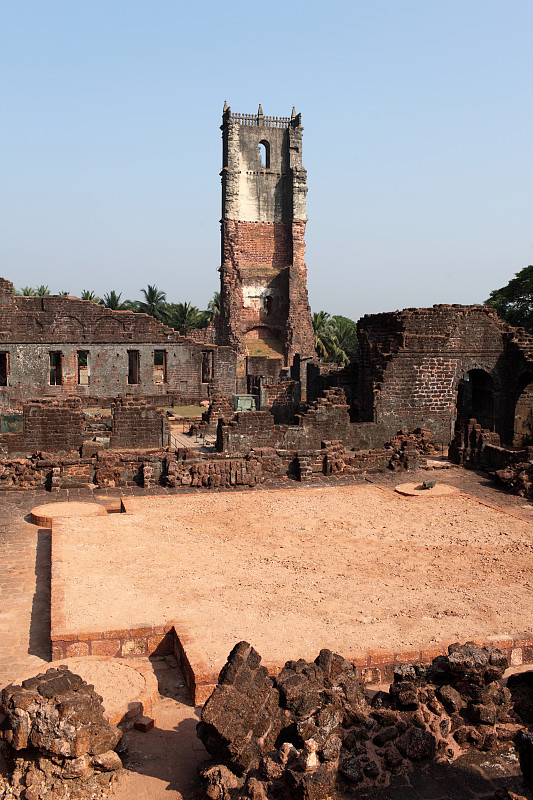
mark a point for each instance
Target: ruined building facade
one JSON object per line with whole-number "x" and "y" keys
{"x": 54, "y": 346}
{"x": 264, "y": 306}
{"x": 433, "y": 367}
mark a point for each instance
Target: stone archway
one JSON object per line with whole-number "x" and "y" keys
{"x": 475, "y": 398}
{"x": 523, "y": 415}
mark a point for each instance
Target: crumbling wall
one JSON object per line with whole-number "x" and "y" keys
{"x": 31, "y": 328}
{"x": 324, "y": 419}
{"x": 185, "y": 467}
{"x": 138, "y": 424}
{"x": 411, "y": 363}
{"x": 219, "y": 407}
{"x": 322, "y": 376}
{"x": 249, "y": 429}
{"x": 51, "y": 425}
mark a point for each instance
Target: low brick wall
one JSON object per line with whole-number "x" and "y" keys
{"x": 137, "y": 423}
{"x": 53, "y": 426}
{"x": 184, "y": 467}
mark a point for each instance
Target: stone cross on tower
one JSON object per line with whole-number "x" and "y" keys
{"x": 264, "y": 306}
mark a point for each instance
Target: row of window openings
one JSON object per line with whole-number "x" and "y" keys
{"x": 134, "y": 367}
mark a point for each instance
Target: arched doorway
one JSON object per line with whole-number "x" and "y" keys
{"x": 475, "y": 398}
{"x": 523, "y": 415}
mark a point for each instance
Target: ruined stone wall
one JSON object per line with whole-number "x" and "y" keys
{"x": 56, "y": 426}
{"x": 184, "y": 468}
{"x": 6, "y": 304}
{"x": 137, "y": 423}
{"x": 52, "y": 426}
{"x": 48, "y": 425}
{"x": 325, "y": 419}
{"x": 268, "y": 368}
{"x": 249, "y": 429}
{"x": 283, "y": 399}
{"x": 411, "y": 363}
{"x": 33, "y": 327}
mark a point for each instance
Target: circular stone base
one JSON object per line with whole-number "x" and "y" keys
{"x": 416, "y": 490}
{"x": 128, "y": 690}
{"x": 45, "y": 515}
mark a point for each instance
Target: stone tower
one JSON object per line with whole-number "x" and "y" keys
{"x": 264, "y": 306}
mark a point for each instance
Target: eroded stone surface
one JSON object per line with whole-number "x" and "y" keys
{"x": 54, "y": 732}
{"x": 329, "y": 738}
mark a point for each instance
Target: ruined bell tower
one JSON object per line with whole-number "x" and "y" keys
{"x": 264, "y": 306}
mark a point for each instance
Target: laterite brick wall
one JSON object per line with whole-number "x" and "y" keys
{"x": 411, "y": 363}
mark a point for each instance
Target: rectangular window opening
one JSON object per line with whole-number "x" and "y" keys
{"x": 56, "y": 368}
{"x": 3, "y": 369}
{"x": 83, "y": 367}
{"x": 133, "y": 366}
{"x": 207, "y": 366}
{"x": 160, "y": 366}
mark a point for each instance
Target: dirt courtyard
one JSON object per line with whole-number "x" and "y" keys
{"x": 350, "y": 568}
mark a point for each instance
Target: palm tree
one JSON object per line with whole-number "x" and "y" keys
{"x": 214, "y": 305}
{"x": 322, "y": 331}
{"x": 28, "y": 291}
{"x": 87, "y": 294}
{"x": 42, "y": 291}
{"x": 344, "y": 341}
{"x": 64, "y": 294}
{"x": 154, "y": 303}
{"x": 112, "y": 301}
{"x": 185, "y": 317}
{"x": 335, "y": 338}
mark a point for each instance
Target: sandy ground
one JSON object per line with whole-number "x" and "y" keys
{"x": 349, "y": 568}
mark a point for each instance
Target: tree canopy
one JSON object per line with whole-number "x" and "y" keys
{"x": 185, "y": 317}
{"x": 112, "y": 300}
{"x": 514, "y": 302}
{"x": 335, "y": 338}
{"x": 154, "y": 303}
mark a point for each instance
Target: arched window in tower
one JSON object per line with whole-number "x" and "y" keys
{"x": 264, "y": 152}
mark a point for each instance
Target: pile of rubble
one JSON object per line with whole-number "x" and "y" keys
{"x": 517, "y": 478}
{"x": 421, "y": 440}
{"x": 55, "y": 741}
{"x": 311, "y": 732}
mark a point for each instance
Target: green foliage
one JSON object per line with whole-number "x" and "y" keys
{"x": 322, "y": 331}
{"x": 214, "y": 305}
{"x": 64, "y": 294}
{"x": 185, "y": 317}
{"x": 42, "y": 291}
{"x": 112, "y": 301}
{"x": 514, "y": 302}
{"x": 335, "y": 338}
{"x": 87, "y": 294}
{"x": 27, "y": 291}
{"x": 344, "y": 340}
{"x": 154, "y": 303}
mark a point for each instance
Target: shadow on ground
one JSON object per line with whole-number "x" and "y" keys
{"x": 40, "y": 644}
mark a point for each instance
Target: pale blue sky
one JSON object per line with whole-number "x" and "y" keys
{"x": 418, "y": 120}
